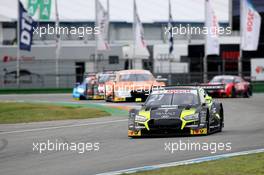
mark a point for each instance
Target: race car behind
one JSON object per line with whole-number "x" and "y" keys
{"x": 98, "y": 88}
{"x": 176, "y": 111}
{"x": 131, "y": 85}
{"x": 93, "y": 86}
{"x": 80, "y": 90}
{"x": 233, "y": 86}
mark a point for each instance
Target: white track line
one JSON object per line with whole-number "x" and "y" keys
{"x": 63, "y": 126}
{"x": 184, "y": 162}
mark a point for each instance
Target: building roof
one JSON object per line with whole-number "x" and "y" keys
{"x": 122, "y": 10}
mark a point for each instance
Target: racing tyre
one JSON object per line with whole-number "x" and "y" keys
{"x": 248, "y": 93}
{"x": 208, "y": 123}
{"x": 222, "y": 119}
{"x": 82, "y": 98}
{"x": 233, "y": 93}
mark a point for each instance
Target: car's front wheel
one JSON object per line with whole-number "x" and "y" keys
{"x": 233, "y": 93}
{"x": 208, "y": 123}
{"x": 248, "y": 92}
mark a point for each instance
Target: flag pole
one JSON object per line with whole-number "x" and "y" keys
{"x": 18, "y": 42}
{"x": 57, "y": 46}
{"x": 205, "y": 49}
{"x": 134, "y": 33}
{"x": 241, "y": 38}
{"x": 108, "y": 16}
{"x": 169, "y": 41}
{"x": 96, "y": 42}
{"x": 205, "y": 78}
{"x": 230, "y": 15}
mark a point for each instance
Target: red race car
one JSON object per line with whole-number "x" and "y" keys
{"x": 233, "y": 86}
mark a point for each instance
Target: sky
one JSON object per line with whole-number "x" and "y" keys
{"x": 122, "y": 10}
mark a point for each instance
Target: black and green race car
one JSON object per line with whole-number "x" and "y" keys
{"x": 177, "y": 110}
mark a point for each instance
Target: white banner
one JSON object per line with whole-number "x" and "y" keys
{"x": 257, "y": 69}
{"x": 140, "y": 44}
{"x": 102, "y": 23}
{"x": 211, "y": 24}
{"x": 250, "y": 26}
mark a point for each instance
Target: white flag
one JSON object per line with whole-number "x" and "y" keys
{"x": 102, "y": 23}
{"x": 139, "y": 41}
{"x": 250, "y": 26}
{"x": 171, "y": 42}
{"x": 212, "y": 26}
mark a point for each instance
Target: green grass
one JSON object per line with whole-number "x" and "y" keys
{"x": 240, "y": 165}
{"x": 36, "y": 91}
{"x": 12, "y": 112}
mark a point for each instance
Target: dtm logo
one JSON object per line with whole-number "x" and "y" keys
{"x": 250, "y": 21}
{"x": 26, "y": 29}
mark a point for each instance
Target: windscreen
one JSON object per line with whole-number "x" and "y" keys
{"x": 173, "y": 97}
{"x": 221, "y": 80}
{"x": 135, "y": 77}
{"x": 159, "y": 99}
{"x": 183, "y": 99}
{"x": 105, "y": 77}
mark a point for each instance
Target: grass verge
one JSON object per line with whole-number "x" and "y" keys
{"x": 36, "y": 91}
{"x": 12, "y": 112}
{"x": 240, "y": 165}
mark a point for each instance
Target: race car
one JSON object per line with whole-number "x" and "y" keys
{"x": 131, "y": 85}
{"x": 233, "y": 86}
{"x": 176, "y": 111}
{"x": 97, "y": 90}
{"x": 93, "y": 86}
{"x": 80, "y": 90}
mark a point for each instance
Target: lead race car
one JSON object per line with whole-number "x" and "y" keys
{"x": 177, "y": 110}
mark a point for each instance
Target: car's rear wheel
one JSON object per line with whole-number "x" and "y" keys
{"x": 208, "y": 123}
{"x": 109, "y": 98}
{"x": 82, "y": 98}
{"x": 233, "y": 93}
{"x": 221, "y": 119}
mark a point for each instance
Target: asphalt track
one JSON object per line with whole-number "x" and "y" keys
{"x": 244, "y": 128}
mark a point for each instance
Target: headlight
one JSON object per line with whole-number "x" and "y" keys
{"x": 80, "y": 90}
{"x": 192, "y": 117}
{"x": 140, "y": 118}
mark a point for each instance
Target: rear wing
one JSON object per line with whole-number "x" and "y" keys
{"x": 213, "y": 87}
